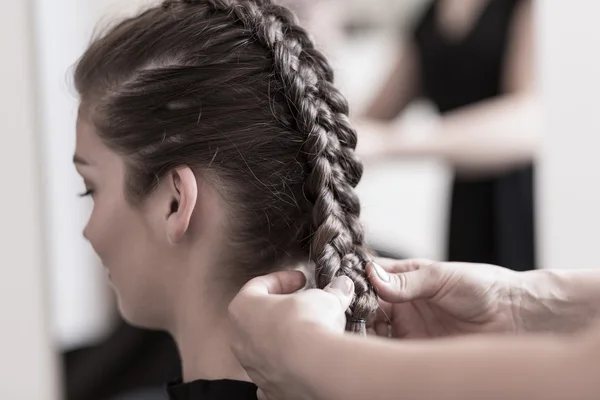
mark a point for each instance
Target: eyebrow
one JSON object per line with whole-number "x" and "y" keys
{"x": 78, "y": 160}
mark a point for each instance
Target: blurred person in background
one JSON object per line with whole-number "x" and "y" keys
{"x": 473, "y": 59}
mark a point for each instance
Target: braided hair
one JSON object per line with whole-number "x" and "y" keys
{"x": 286, "y": 149}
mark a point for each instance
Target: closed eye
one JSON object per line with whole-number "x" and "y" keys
{"x": 87, "y": 193}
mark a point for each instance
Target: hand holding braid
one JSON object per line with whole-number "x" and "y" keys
{"x": 321, "y": 112}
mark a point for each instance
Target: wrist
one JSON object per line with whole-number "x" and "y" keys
{"x": 416, "y": 140}
{"x": 302, "y": 356}
{"x": 544, "y": 305}
{"x": 314, "y": 362}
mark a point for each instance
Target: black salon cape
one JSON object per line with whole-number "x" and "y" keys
{"x": 212, "y": 390}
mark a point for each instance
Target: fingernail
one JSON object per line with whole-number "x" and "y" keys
{"x": 381, "y": 273}
{"x": 343, "y": 283}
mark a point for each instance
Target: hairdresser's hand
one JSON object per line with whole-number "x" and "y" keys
{"x": 423, "y": 299}
{"x": 271, "y": 319}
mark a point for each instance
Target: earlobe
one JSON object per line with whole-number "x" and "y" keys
{"x": 185, "y": 196}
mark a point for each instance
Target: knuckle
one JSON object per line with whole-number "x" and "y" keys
{"x": 399, "y": 282}
{"x": 235, "y": 347}
{"x": 331, "y": 299}
{"x": 333, "y": 303}
{"x": 232, "y": 309}
{"x": 435, "y": 270}
{"x": 295, "y": 305}
{"x": 238, "y": 349}
{"x": 420, "y": 263}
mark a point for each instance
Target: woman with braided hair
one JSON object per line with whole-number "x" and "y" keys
{"x": 216, "y": 149}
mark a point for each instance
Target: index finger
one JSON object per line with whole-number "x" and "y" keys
{"x": 281, "y": 282}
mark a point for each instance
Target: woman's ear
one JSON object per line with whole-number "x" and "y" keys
{"x": 183, "y": 202}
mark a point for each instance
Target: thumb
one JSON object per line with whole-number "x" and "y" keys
{"x": 281, "y": 282}
{"x": 342, "y": 287}
{"x": 405, "y": 286}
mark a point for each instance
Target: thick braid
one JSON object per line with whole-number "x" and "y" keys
{"x": 321, "y": 112}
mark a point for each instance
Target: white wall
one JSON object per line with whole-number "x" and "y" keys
{"x": 79, "y": 294}
{"x": 27, "y": 362}
{"x": 569, "y": 173}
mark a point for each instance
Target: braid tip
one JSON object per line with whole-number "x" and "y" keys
{"x": 357, "y": 320}
{"x": 357, "y": 326}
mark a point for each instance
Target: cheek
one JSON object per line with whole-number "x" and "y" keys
{"x": 99, "y": 231}
{"x": 109, "y": 230}
{"x": 125, "y": 243}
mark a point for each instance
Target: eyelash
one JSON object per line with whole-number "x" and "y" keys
{"x": 87, "y": 193}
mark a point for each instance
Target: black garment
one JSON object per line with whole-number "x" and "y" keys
{"x": 212, "y": 390}
{"x": 491, "y": 220}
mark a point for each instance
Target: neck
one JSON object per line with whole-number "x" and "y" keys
{"x": 202, "y": 333}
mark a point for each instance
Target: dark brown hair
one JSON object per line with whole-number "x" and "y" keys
{"x": 237, "y": 91}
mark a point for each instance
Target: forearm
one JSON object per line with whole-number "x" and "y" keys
{"x": 558, "y": 301}
{"x": 492, "y": 135}
{"x": 469, "y": 368}
{"x": 399, "y": 89}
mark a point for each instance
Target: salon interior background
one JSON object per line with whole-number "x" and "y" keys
{"x": 53, "y": 292}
